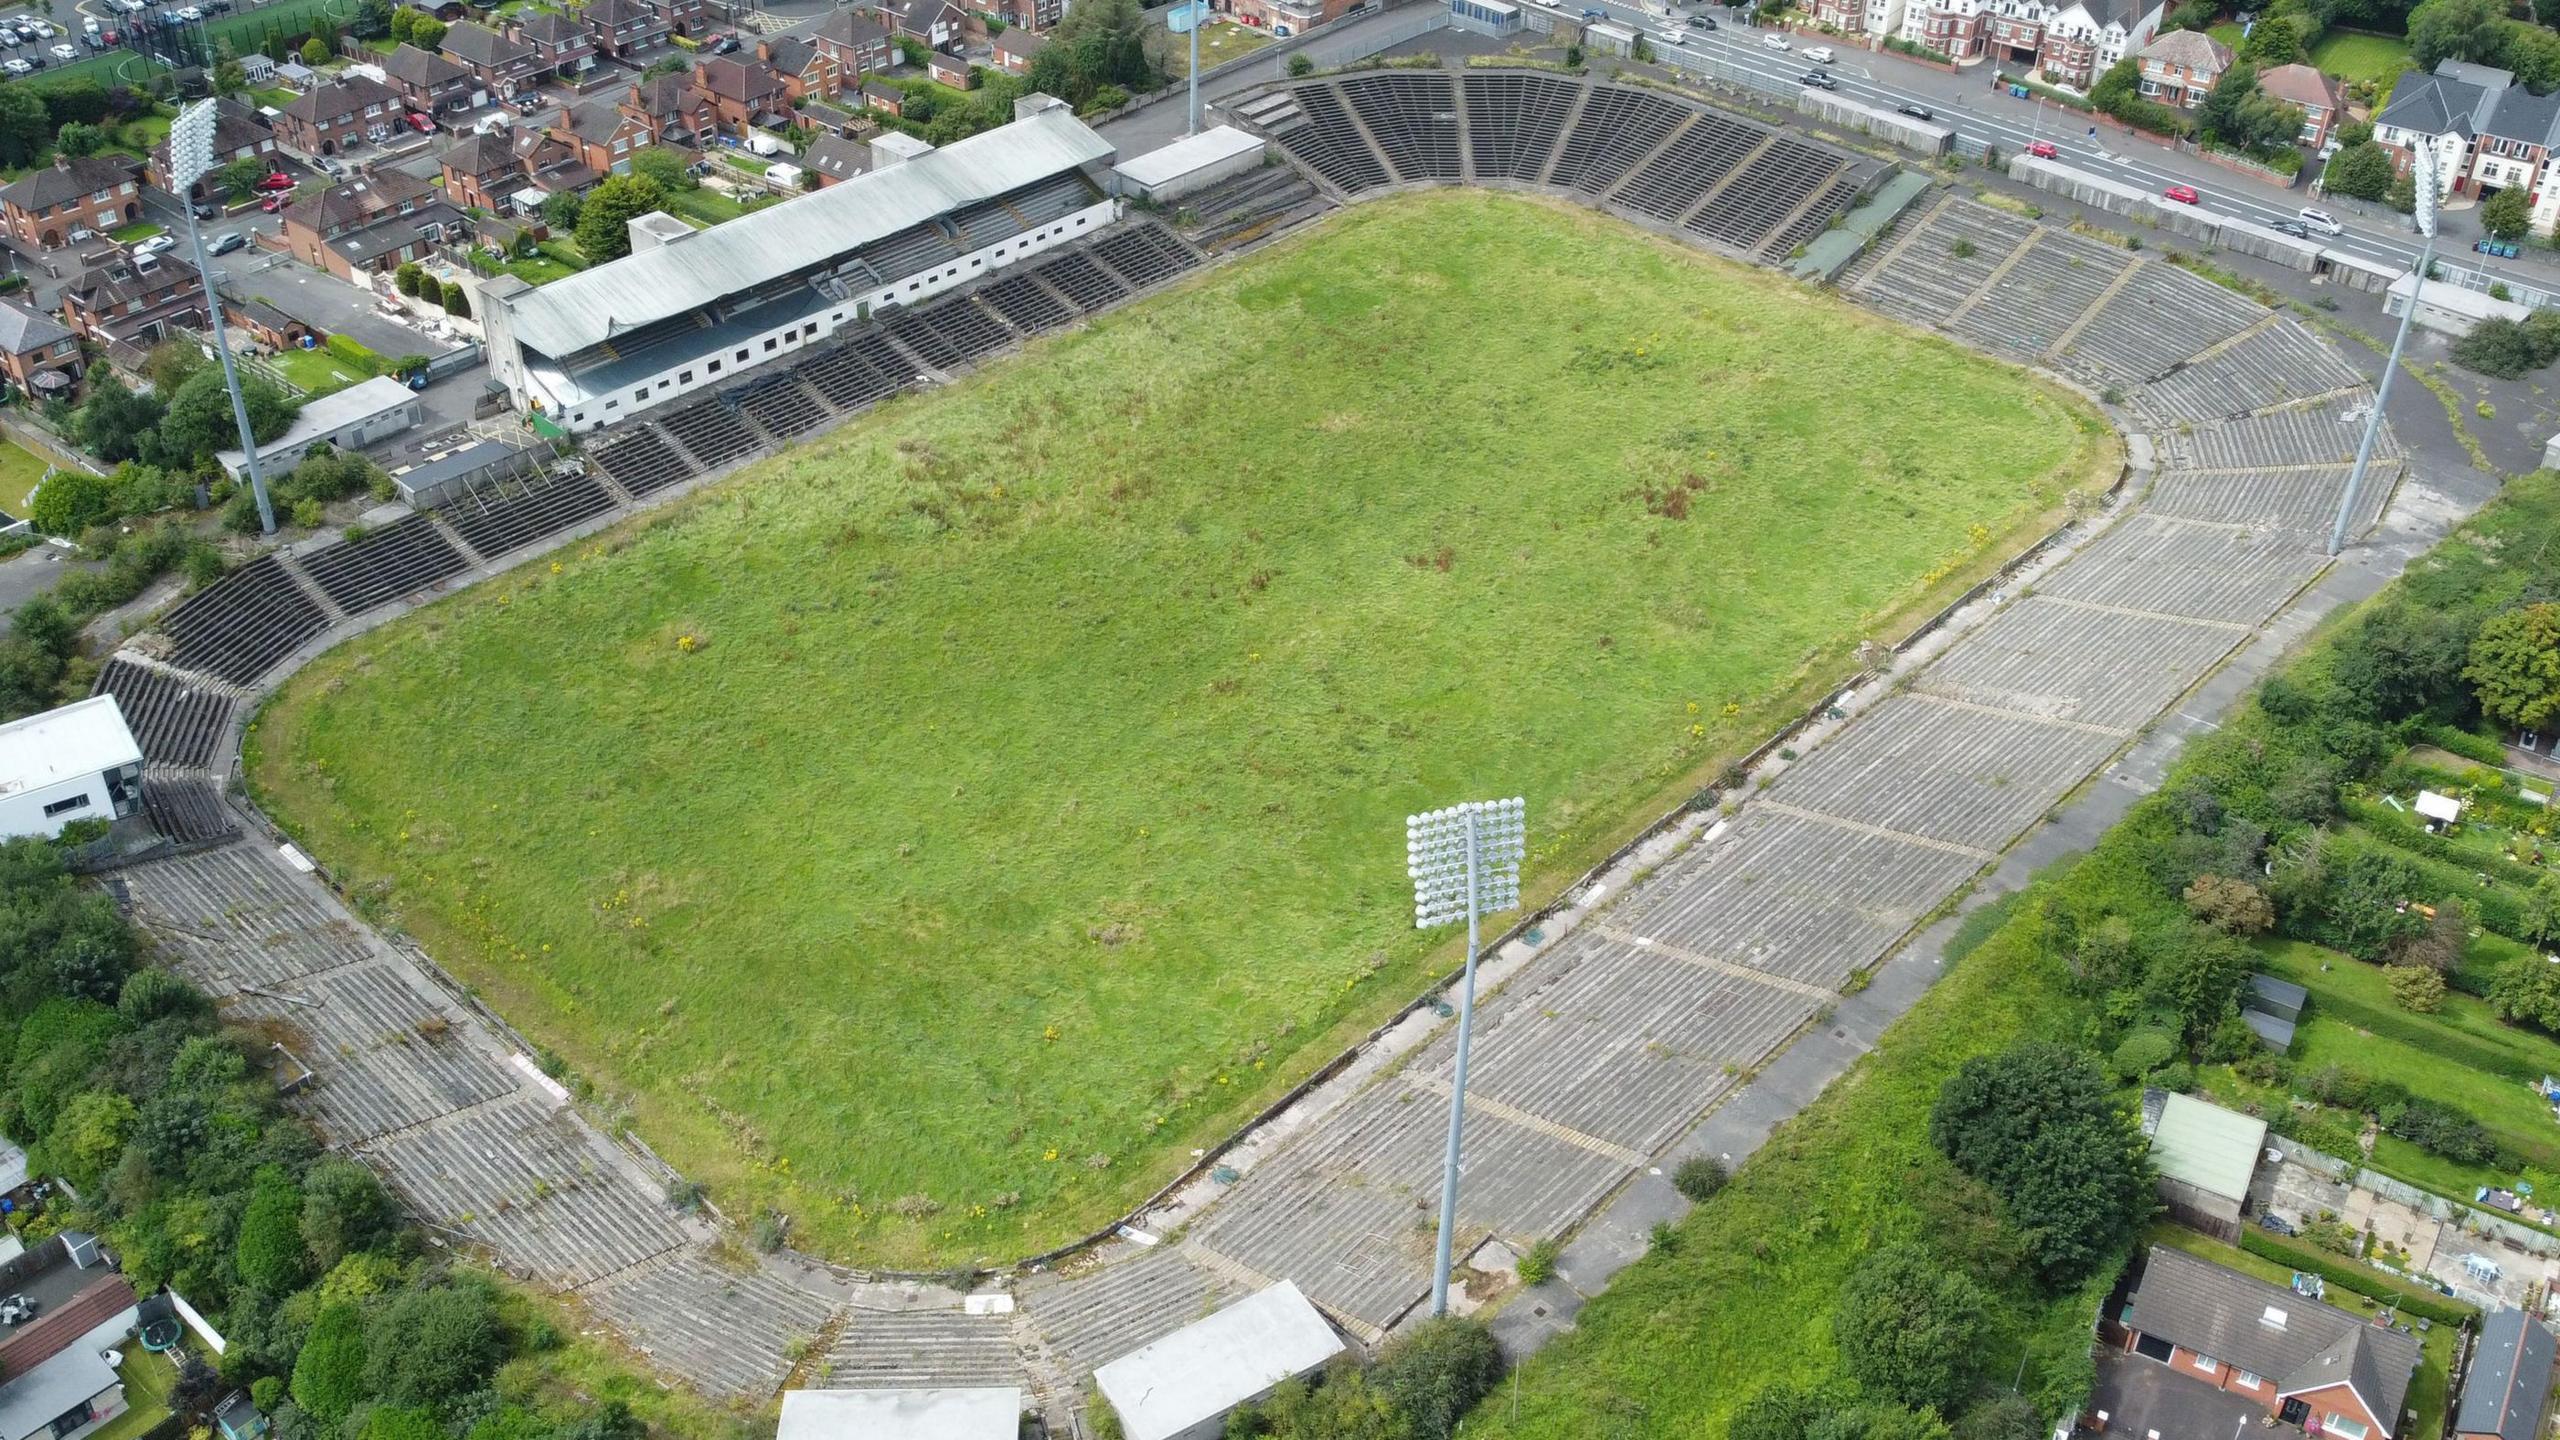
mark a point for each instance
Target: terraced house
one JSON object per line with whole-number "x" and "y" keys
{"x": 2444, "y": 110}
{"x": 2069, "y": 44}
{"x": 329, "y": 118}
{"x": 428, "y": 82}
{"x": 68, "y": 201}
{"x": 133, "y": 301}
{"x": 499, "y": 64}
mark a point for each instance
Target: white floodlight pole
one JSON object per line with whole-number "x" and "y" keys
{"x": 1196, "y": 7}
{"x": 2423, "y": 175}
{"x": 1465, "y": 858}
{"x": 190, "y": 160}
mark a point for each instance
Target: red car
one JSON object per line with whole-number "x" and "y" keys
{"x": 2184, "y": 194}
{"x": 273, "y": 204}
{"x": 421, "y": 123}
{"x": 2043, "y": 150}
{"x": 277, "y": 181}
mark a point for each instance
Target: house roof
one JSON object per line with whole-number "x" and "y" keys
{"x": 2436, "y": 105}
{"x": 579, "y": 311}
{"x": 68, "y": 178}
{"x": 71, "y": 742}
{"x": 2204, "y": 1145}
{"x": 853, "y": 29}
{"x": 2193, "y": 49}
{"x": 421, "y": 67}
{"x": 789, "y": 54}
{"x": 2487, "y": 77}
{"x": 731, "y": 78}
{"x": 549, "y": 28}
{"x": 479, "y": 45}
{"x": 1210, "y": 1366}
{"x": 614, "y": 14}
{"x": 2510, "y": 1375}
{"x": 1024, "y": 43}
{"x": 2515, "y": 113}
{"x": 2301, "y": 85}
{"x": 23, "y": 329}
{"x": 331, "y": 413}
{"x": 665, "y": 94}
{"x": 978, "y": 1413}
{"x": 356, "y": 200}
{"x": 2300, "y": 1343}
{"x": 874, "y": 90}
{"x": 31, "y": 1403}
{"x": 479, "y": 154}
{"x": 837, "y": 157}
{"x": 352, "y": 92}
{"x": 596, "y": 123}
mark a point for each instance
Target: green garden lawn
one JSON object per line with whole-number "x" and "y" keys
{"x": 2356, "y": 56}
{"x": 936, "y": 832}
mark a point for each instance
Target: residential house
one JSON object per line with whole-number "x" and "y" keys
{"x": 833, "y": 159}
{"x": 500, "y": 65}
{"x": 1288, "y": 17}
{"x": 137, "y": 301}
{"x": 561, "y": 46}
{"x": 476, "y": 170}
{"x": 371, "y": 223}
{"x": 74, "y": 197}
{"x": 2308, "y": 1364}
{"x": 2510, "y": 1378}
{"x": 2320, "y": 98}
{"x": 58, "y": 1378}
{"x": 239, "y": 133}
{"x": 859, "y": 44}
{"x": 2179, "y": 69}
{"x": 2513, "y": 142}
{"x": 38, "y": 354}
{"x": 673, "y": 108}
{"x": 682, "y": 17}
{"x": 1032, "y": 15}
{"x": 887, "y": 99}
{"x": 2069, "y": 42}
{"x": 428, "y": 82}
{"x": 933, "y": 24}
{"x": 620, "y": 29}
{"x": 745, "y": 93}
{"x": 2443, "y": 111}
{"x": 1015, "y": 48}
{"x": 808, "y": 73}
{"x": 331, "y": 117}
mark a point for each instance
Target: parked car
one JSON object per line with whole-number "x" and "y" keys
{"x": 2044, "y": 150}
{"x": 90, "y": 24}
{"x": 2320, "y": 220}
{"x": 421, "y": 123}
{"x": 65, "y": 52}
{"x": 228, "y": 243}
{"x": 276, "y": 181}
{"x": 2183, "y": 194}
{"x": 17, "y": 67}
{"x": 1919, "y": 112}
{"x": 2275, "y": 1224}
{"x": 206, "y": 210}
{"x": 1777, "y": 40}
{"x": 1819, "y": 80}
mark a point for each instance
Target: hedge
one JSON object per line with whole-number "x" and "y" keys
{"x": 2400, "y": 1294}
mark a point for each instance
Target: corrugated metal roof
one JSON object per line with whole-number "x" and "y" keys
{"x": 2213, "y": 1149}
{"x": 578, "y": 311}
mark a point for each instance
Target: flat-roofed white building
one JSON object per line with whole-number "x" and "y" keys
{"x": 693, "y": 310}
{"x": 1182, "y": 1386}
{"x": 79, "y": 762}
{"x": 1194, "y": 162}
{"x": 979, "y": 1412}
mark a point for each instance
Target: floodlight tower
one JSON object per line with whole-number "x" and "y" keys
{"x": 1464, "y": 860}
{"x": 2423, "y": 175}
{"x": 190, "y": 160}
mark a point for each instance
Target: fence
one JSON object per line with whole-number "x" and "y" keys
{"x": 2434, "y": 1207}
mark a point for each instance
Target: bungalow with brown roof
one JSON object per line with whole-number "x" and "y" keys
{"x": 887, "y": 99}
{"x": 950, "y": 70}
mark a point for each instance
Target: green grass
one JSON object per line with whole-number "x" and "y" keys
{"x": 1220, "y": 42}
{"x": 1046, "y": 741}
{"x": 317, "y": 372}
{"x": 2228, "y": 32}
{"x": 20, "y": 469}
{"x": 148, "y": 1381}
{"x": 278, "y": 97}
{"x": 704, "y": 205}
{"x": 138, "y": 231}
{"x": 2356, "y": 56}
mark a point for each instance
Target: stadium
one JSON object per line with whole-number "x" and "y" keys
{"x": 934, "y": 787}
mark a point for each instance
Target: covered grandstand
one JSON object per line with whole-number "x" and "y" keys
{"x": 690, "y": 311}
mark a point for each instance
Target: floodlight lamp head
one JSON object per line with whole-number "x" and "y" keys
{"x": 2426, "y": 188}
{"x": 191, "y": 144}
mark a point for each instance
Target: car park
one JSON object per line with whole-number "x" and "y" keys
{"x": 2044, "y": 150}
{"x": 2320, "y": 220}
{"x": 1819, "y": 80}
{"x": 17, "y": 67}
{"x": 2183, "y": 194}
{"x": 228, "y": 243}
{"x": 1777, "y": 40}
{"x": 1919, "y": 112}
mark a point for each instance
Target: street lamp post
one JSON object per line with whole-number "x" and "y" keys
{"x": 2423, "y": 180}
{"x": 1464, "y": 861}
{"x": 190, "y": 160}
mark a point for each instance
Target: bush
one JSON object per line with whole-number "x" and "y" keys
{"x": 1698, "y": 1177}
{"x": 1538, "y": 1265}
{"x": 1909, "y": 1328}
{"x": 1433, "y": 1373}
{"x": 70, "y": 501}
{"x": 1300, "y": 65}
{"x": 2234, "y": 907}
{"x": 2142, "y": 1052}
{"x": 2039, "y": 1124}
{"x": 2419, "y": 988}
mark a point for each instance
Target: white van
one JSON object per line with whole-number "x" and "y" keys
{"x": 1776, "y": 40}
{"x": 2320, "y": 220}
{"x": 1819, "y": 54}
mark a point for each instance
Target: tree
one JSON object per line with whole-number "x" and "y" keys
{"x": 242, "y": 175}
{"x": 373, "y": 19}
{"x": 604, "y": 221}
{"x": 2441, "y": 30}
{"x": 665, "y": 167}
{"x": 268, "y": 1251}
{"x": 230, "y": 77}
{"x": 402, "y": 22}
{"x": 2038, "y": 1123}
{"x": 456, "y": 300}
{"x": 2438, "y": 946}
{"x": 1300, "y": 65}
{"x": 2415, "y": 987}
{"x": 315, "y": 51}
{"x": 2361, "y": 171}
{"x": 429, "y": 1346}
{"x": 344, "y": 1210}
{"x": 2003, "y": 1417}
{"x": 198, "y": 421}
{"x": 70, "y": 501}
{"x": 2515, "y": 666}
{"x": 2235, "y": 907}
{"x": 1435, "y": 1372}
{"x": 2274, "y": 40}
{"x": 87, "y": 1136}
{"x": 428, "y": 33}
{"x": 560, "y": 211}
{"x": 1908, "y": 1328}
{"x": 79, "y": 138}
{"x": 25, "y": 126}
{"x": 2528, "y": 989}
{"x": 2199, "y": 982}
{"x": 2508, "y": 214}
{"x": 329, "y": 1372}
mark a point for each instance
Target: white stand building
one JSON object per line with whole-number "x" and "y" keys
{"x": 75, "y": 763}
{"x": 1182, "y": 1386}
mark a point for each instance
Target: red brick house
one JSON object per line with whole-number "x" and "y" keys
{"x": 684, "y": 17}
{"x": 500, "y": 65}
{"x": 745, "y": 93}
{"x": 623, "y": 28}
{"x": 34, "y": 346}
{"x": 48, "y": 208}
{"x": 1032, "y": 15}
{"x": 2179, "y": 69}
{"x": 887, "y": 99}
{"x": 561, "y": 46}
{"x": 239, "y": 133}
{"x": 488, "y": 172}
{"x": 137, "y": 301}
{"x": 329, "y": 118}
{"x": 371, "y": 223}
{"x": 858, "y": 42}
{"x": 2322, "y": 100}
{"x": 2308, "y": 1363}
{"x": 834, "y": 159}
{"x": 428, "y": 82}
{"x": 1015, "y": 48}
{"x": 930, "y": 23}
{"x": 950, "y": 70}
{"x": 807, "y": 72}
